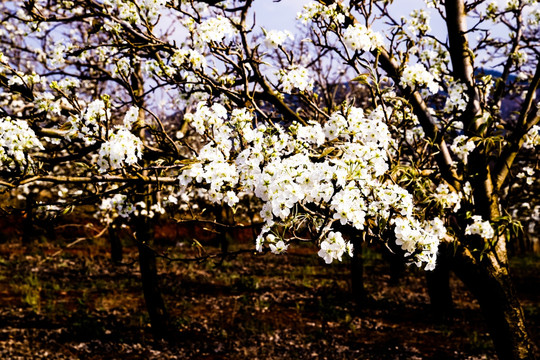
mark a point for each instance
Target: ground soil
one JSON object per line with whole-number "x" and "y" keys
{"x": 59, "y": 302}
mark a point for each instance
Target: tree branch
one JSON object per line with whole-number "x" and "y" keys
{"x": 97, "y": 179}
{"x": 526, "y": 120}
{"x": 462, "y": 61}
{"x": 443, "y": 158}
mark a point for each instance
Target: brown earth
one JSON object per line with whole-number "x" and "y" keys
{"x": 73, "y": 303}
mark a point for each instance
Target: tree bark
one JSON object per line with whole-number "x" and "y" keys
{"x": 159, "y": 317}
{"x": 223, "y": 236}
{"x": 486, "y": 272}
{"x": 28, "y": 230}
{"x": 490, "y": 282}
{"x": 357, "y": 275}
{"x": 438, "y": 287}
{"x": 116, "y": 244}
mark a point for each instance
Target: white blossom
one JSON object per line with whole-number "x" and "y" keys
{"x": 334, "y": 246}
{"x": 191, "y": 57}
{"x": 131, "y": 117}
{"x": 276, "y": 38}
{"x": 532, "y": 138}
{"x": 457, "y": 97}
{"x": 480, "y": 227}
{"x": 297, "y": 77}
{"x": 278, "y": 247}
{"x": 17, "y": 139}
{"x": 418, "y": 76}
{"x": 121, "y": 148}
{"x": 215, "y": 29}
{"x": 462, "y": 147}
{"x": 118, "y": 205}
{"x": 315, "y": 10}
{"x": 359, "y": 37}
{"x": 447, "y": 198}
{"x": 418, "y": 23}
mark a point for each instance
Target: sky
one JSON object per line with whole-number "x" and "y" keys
{"x": 281, "y": 15}
{"x": 277, "y": 15}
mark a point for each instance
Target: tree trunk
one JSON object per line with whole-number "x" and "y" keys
{"x": 116, "y": 244}
{"x": 159, "y": 317}
{"x": 489, "y": 281}
{"x": 438, "y": 287}
{"x": 28, "y": 222}
{"x": 223, "y": 236}
{"x": 357, "y": 275}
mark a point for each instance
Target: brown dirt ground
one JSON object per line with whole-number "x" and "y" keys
{"x": 75, "y": 304}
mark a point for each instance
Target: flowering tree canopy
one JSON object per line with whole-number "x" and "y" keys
{"x": 360, "y": 124}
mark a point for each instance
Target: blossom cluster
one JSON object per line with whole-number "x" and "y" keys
{"x": 118, "y": 205}
{"x": 276, "y": 246}
{"x": 86, "y": 126}
{"x": 315, "y": 10}
{"x": 66, "y": 83}
{"x": 418, "y": 76}
{"x": 47, "y": 103}
{"x": 215, "y": 29}
{"x": 532, "y": 138}
{"x": 527, "y": 173}
{"x": 418, "y": 23}
{"x": 457, "y": 97}
{"x": 16, "y": 141}
{"x": 214, "y": 167}
{"x": 58, "y": 52}
{"x": 447, "y": 198}
{"x": 141, "y": 209}
{"x": 188, "y": 57}
{"x": 412, "y": 235}
{"x": 121, "y": 147}
{"x": 430, "y": 51}
{"x": 297, "y": 77}
{"x": 480, "y": 227}
{"x": 462, "y": 146}
{"x": 276, "y": 38}
{"x": 334, "y": 246}
{"x": 122, "y": 67}
{"x": 131, "y": 117}
{"x": 360, "y": 37}
{"x": 278, "y": 165}
{"x": 136, "y": 12}
{"x": 205, "y": 116}
{"x": 20, "y": 78}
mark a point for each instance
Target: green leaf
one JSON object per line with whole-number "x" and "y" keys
{"x": 327, "y": 151}
{"x": 68, "y": 209}
{"x": 362, "y": 79}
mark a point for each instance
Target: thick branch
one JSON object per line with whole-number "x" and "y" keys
{"x": 462, "y": 61}
{"x": 100, "y": 179}
{"x": 501, "y": 83}
{"x": 527, "y": 119}
{"x": 273, "y": 98}
{"x": 443, "y": 158}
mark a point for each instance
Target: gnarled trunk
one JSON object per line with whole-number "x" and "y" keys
{"x": 438, "y": 287}
{"x": 357, "y": 275}
{"x": 116, "y": 244}
{"x": 489, "y": 281}
{"x": 159, "y": 317}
